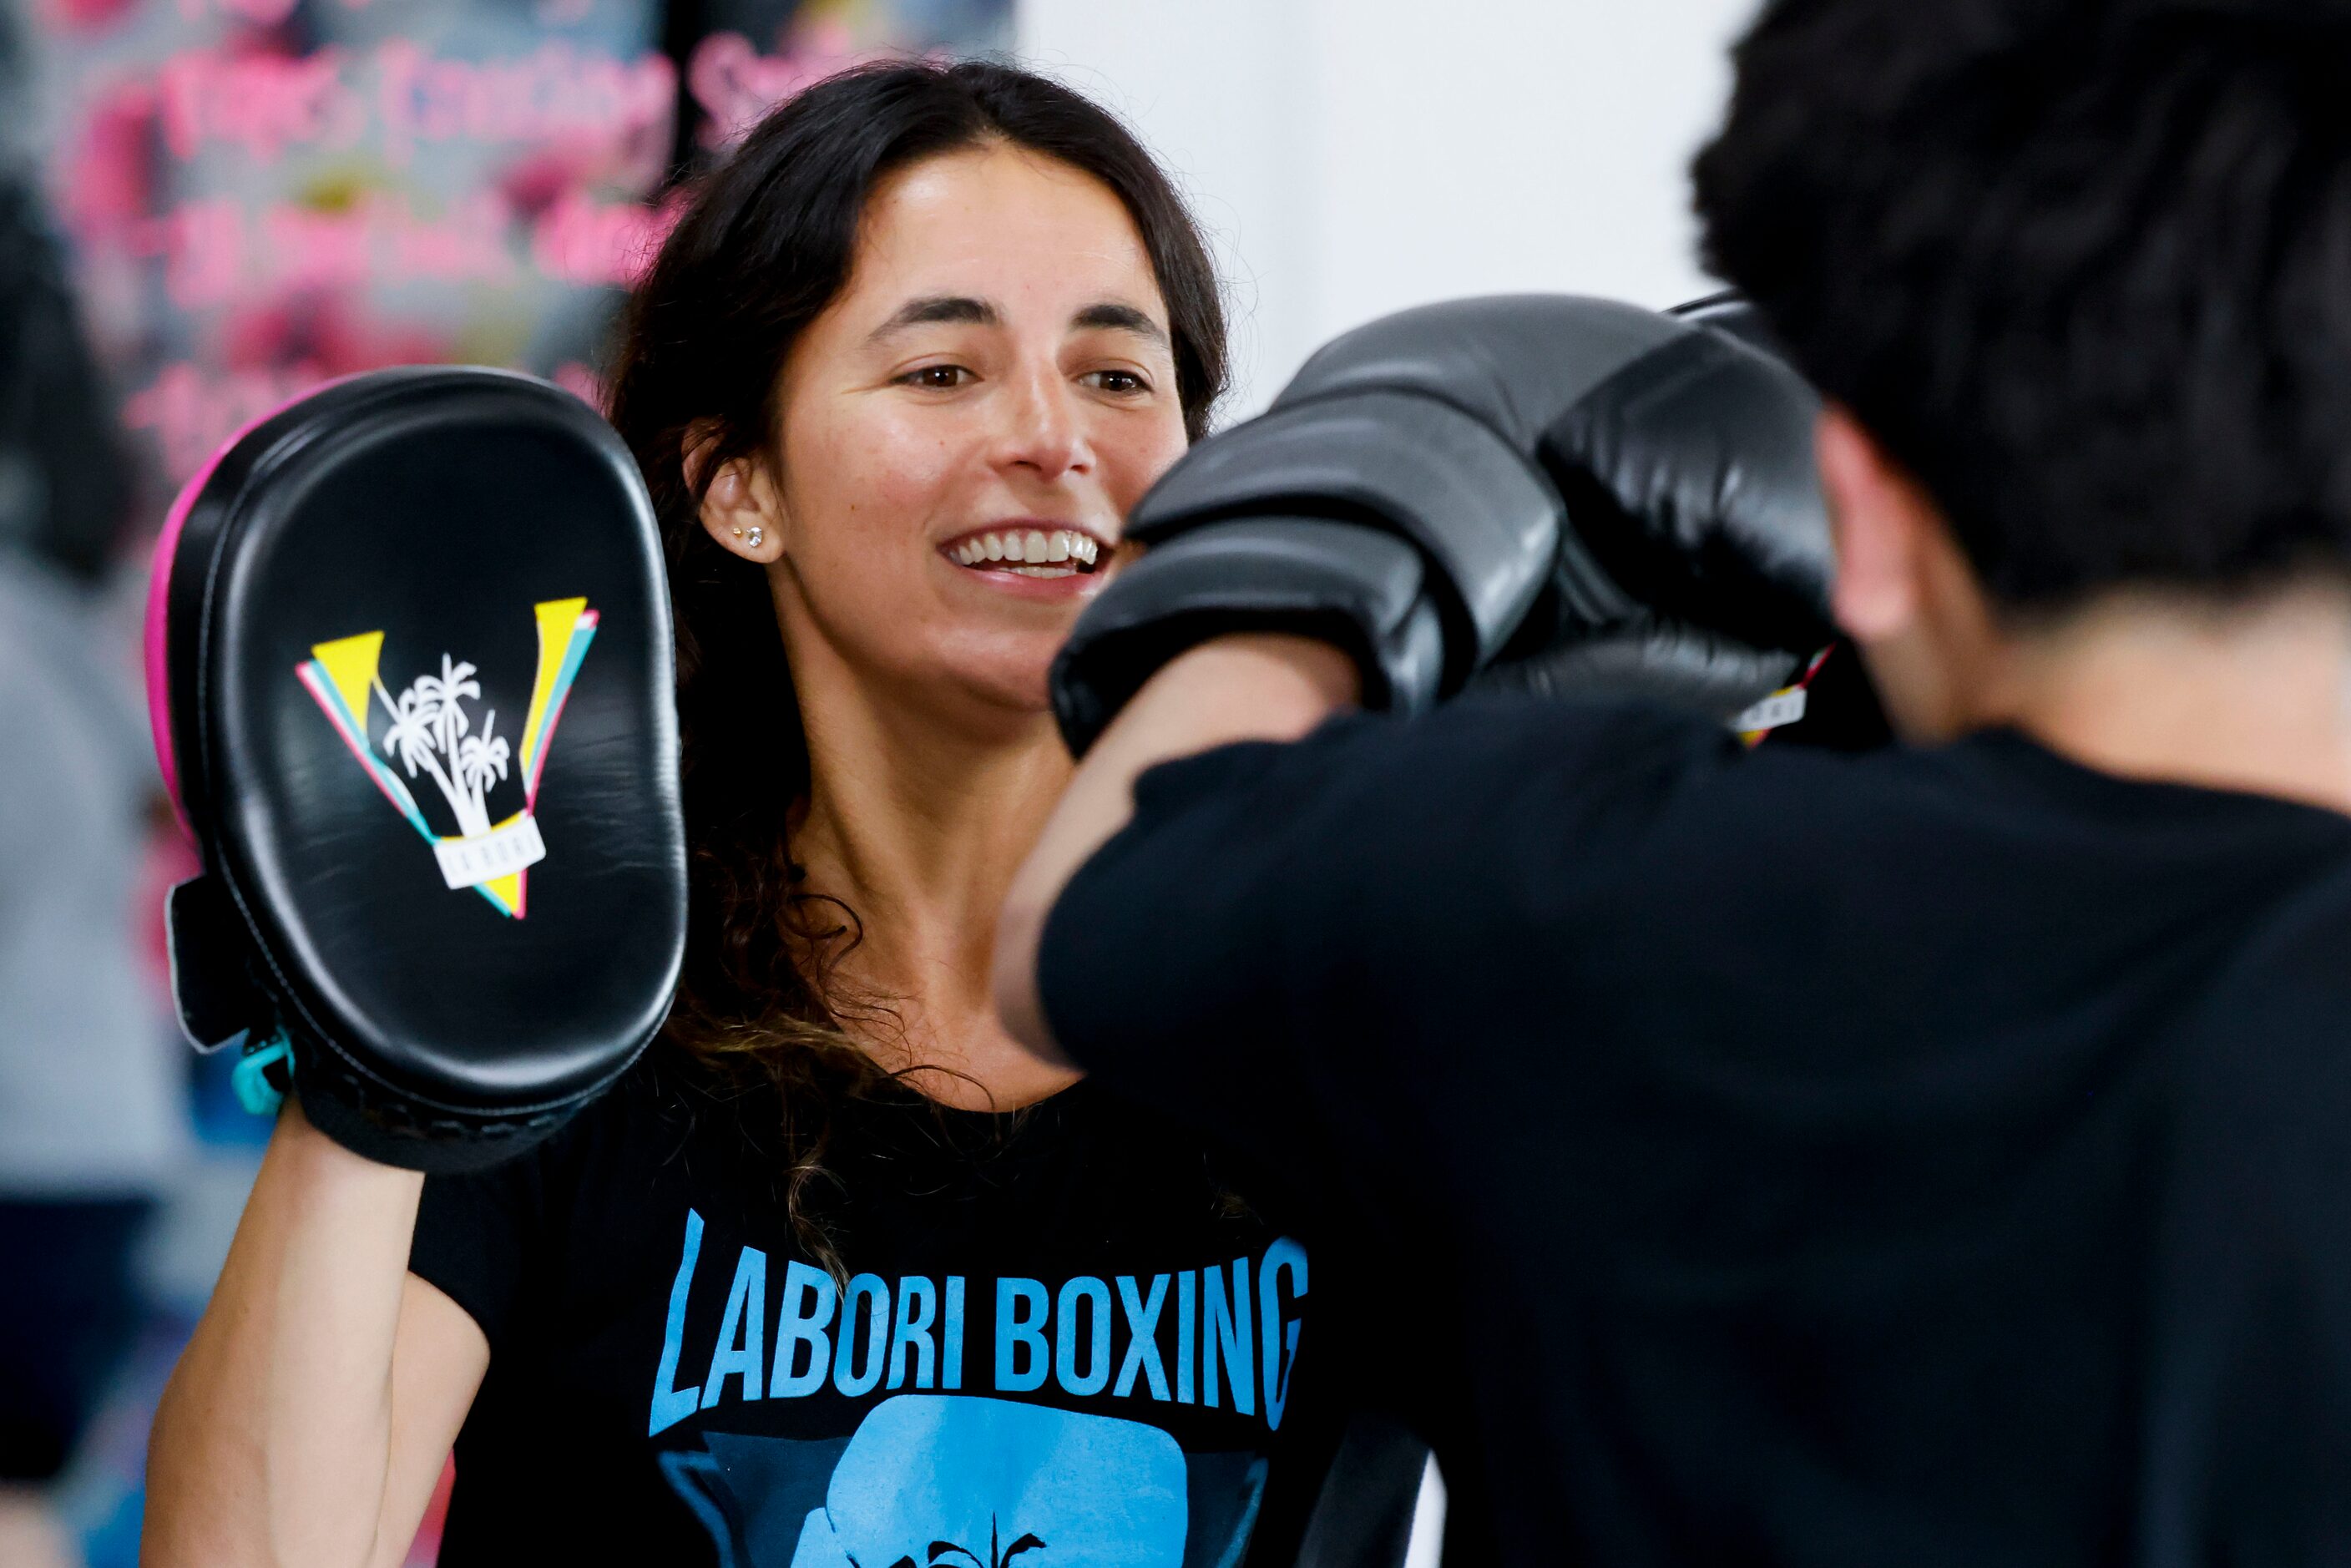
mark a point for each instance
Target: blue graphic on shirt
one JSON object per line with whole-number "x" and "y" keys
{"x": 962, "y": 1481}
{"x": 986, "y": 1482}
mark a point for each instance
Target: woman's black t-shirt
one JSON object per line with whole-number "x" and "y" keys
{"x": 1061, "y": 1336}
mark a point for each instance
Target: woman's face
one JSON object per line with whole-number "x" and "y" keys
{"x": 963, "y": 431}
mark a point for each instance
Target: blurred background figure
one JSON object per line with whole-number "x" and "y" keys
{"x": 207, "y": 207}
{"x": 89, "y": 1119}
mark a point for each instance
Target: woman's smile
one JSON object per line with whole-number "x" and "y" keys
{"x": 1032, "y": 558}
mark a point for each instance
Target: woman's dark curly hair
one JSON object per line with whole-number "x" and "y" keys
{"x": 765, "y": 245}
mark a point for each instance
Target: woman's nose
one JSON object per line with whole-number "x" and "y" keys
{"x": 1043, "y": 434}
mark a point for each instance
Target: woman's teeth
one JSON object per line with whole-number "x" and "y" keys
{"x": 1031, "y": 552}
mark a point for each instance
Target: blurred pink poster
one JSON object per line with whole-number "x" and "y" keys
{"x": 259, "y": 195}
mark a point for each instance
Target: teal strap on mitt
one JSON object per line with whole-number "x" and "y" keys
{"x": 263, "y": 1075}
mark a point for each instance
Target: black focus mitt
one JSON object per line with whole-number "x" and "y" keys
{"x": 410, "y": 661}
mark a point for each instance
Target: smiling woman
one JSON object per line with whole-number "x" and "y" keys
{"x": 836, "y": 1274}
{"x": 894, "y": 382}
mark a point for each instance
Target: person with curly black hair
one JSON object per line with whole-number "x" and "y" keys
{"x": 1930, "y": 1155}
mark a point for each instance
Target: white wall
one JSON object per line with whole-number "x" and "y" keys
{"x": 1356, "y": 156}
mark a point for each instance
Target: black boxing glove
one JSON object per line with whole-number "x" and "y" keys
{"x": 1358, "y": 588}
{"x": 1689, "y": 478}
{"x": 410, "y": 661}
{"x": 1599, "y": 496}
{"x": 1407, "y": 531}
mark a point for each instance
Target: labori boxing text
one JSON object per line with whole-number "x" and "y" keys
{"x": 1221, "y": 1336}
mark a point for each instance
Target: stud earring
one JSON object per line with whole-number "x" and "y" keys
{"x": 737, "y": 533}
{"x": 757, "y": 534}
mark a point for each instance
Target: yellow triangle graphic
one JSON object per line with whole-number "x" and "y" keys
{"x": 557, "y": 620}
{"x": 351, "y": 664}
{"x": 507, "y": 887}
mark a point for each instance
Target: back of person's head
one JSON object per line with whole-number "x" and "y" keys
{"x": 2082, "y": 266}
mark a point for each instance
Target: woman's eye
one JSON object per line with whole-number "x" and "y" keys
{"x": 1124, "y": 383}
{"x": 937, "y": 378}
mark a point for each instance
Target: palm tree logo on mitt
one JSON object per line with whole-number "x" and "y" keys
{"x": 428, "y": 728}
{"x": 432, "y": 733}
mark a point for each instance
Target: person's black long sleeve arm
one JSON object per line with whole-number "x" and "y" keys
{"x": 1289, "y": 946}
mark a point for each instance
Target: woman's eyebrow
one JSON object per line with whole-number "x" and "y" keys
{"x": 932, "y": 309}
{"x": 1111, "y": 315}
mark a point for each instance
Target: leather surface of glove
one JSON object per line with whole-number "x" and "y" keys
{"x": 1602, "y": 498}
{"x": 1358, "y": 588}
{"x": 411, "y": 663}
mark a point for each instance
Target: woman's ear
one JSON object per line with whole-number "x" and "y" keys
{"x": 741, "y": 508}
